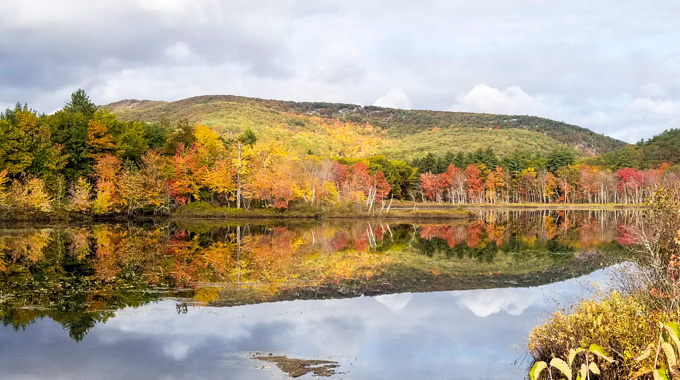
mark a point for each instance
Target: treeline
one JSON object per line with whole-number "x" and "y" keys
{"x": 579, "y": 183}
{"x": 82, "y": 159}
{"x": 555, "y": 177}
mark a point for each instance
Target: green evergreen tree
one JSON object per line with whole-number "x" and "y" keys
{"x": 81, "y": 103}
{"x": 559, "y": 157}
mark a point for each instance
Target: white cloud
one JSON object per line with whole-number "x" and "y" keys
{"x": 174, "y": 7}
{"x": 176, "y": 350}
{"x": 395, "y": 302}
{"x": 394, "y": 99}
{"x": 512, "y": 100}
{"x": 647, "y": 108}
{"x": 652, "y": 90}
{"x": 337, "y": 63}
{"x": 484, "y": 303}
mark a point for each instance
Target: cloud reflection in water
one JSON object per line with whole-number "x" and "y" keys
{"x": 401, "y": 336}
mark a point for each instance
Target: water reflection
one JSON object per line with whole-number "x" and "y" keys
{"x": 436, "y": 335}
{"x": 79, "y": 276}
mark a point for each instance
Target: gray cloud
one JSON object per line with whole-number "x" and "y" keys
{"x": 610, "y": 66}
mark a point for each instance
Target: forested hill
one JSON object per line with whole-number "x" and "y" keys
{"x": 662, "y": 148}
{"x": 405, "y": 122}
{"x": 399, "y": 134}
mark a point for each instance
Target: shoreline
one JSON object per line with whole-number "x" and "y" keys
{"x": 537, "y": 206}
{"x": 398, "y": 211}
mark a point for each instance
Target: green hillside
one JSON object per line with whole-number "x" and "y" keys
{"x": 333, "y": 128}
{"x": 405, "y": 122}
{"x": 662, "y": 148}
{"x": 467, "y": 139}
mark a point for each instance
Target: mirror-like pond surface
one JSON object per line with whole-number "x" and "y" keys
{"x": 201, "y": 299}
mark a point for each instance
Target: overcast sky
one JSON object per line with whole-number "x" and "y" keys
{"x": 611, "y": 66}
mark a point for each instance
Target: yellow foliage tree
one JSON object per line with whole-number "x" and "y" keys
{"x": 107, "y": 171}
{"x": 490, "y": 187}
{"x": 155, "y": 184}
{"x": 220, "y": 178}
{"x": 131, "y": 190}
{"x": 329, "y": 194}
{"x": 3, "y": 189}
{"x": 99, "y": 140}
{"x": 80, "y": 193}
{"x": 30, "y": 195}
{"x": 209, "y": 144}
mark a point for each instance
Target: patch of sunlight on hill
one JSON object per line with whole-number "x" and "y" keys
{"x": 440, "y": 141}
{"x": 304, "y": 134}
{"x": 325, "y": 138}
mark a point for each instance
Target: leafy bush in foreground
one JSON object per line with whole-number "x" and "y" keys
{"x": 622, "y": 325}
{"x": 632, "y": 326}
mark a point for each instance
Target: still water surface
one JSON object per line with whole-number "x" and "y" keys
{"x": 200, "y": 300}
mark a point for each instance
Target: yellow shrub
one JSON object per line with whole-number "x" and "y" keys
{"x": 30, "y": 195}
{"x": 621, "y": 325}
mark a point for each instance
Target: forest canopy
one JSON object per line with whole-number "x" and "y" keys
{"x": 85, "y": 159}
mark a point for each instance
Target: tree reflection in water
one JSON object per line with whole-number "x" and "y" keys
{"x": 80, "y": 276}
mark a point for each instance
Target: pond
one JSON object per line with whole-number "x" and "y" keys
{"x": 256, "y": 299}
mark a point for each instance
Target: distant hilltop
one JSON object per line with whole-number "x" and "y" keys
{"x": 396, "y": 133}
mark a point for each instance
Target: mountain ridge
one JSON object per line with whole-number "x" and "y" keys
{"x": 404, "y": 134}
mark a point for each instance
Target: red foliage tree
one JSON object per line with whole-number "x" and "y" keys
{"x": 359, "y": 178}
{"x": 474, "y": 182}
{"x": 429, "y": 184}
{"x": 382, "y": 187}
{"x": 187, "y": 171}
{"x": 338, "y": 173}
{"x": 630, "y": 181}
{"x": 446, "y": 181}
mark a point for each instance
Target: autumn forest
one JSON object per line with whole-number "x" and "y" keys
{"x": 84, "y": 160}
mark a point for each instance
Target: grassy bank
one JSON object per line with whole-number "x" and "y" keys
{"x": 519, "y": 206}
{"x": 206, "y": 211}
{"x": 624, "y": 326}
{"x": 399, "y": 210}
